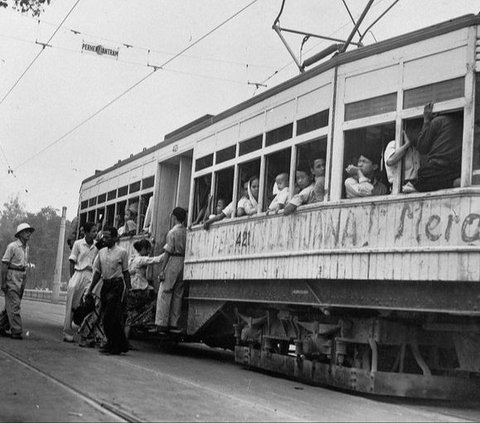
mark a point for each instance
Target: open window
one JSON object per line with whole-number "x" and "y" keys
{"x": 100, "y": 217}
{"x": 144, "y": 201}
{"x": 277, "y": 163}
{"x": 247, "y": 171}
{"x": 312, "y": 155}
{"x": 202, "y": 199}
{"x": 223, "y": 189}
{"x": 368, "y": 143}
{"x": 120, "y": 217}
{"x": 110, "y": 215}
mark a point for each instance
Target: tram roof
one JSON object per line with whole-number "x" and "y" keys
{"x": 342, "y": 58}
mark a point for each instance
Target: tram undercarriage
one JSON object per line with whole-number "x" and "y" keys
{"x": 420, "y": 354}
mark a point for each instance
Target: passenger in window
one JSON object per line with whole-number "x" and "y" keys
{"x": 318, "y": 171}
{"x": 243, "y": 200}
{"x": 281, "y": 198}
{"x": 440, "y": 143}
{"x": 393, "y": 156}
{"x": 130, "y": 227}
{"x": 306, "y": 184}
{"x": 249, "y": 205}
{"x": 221, "y": 204}
{"x": 363, "y": 181}
{"x": 222, "y": 213}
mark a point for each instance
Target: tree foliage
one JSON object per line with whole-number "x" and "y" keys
{"x": 43, "y": 243}
{"x": 35, "y": 7}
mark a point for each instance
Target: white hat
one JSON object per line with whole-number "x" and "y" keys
{"x": 23, "y": 227}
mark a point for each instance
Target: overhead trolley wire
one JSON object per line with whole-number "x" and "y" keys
{"x": 155, "y": 69}
{"x": 38, "y": 54}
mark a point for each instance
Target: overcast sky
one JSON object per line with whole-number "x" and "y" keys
{"x": 65, "y": 86}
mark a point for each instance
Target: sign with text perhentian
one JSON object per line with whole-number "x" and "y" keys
{"x": 100, "y": 50}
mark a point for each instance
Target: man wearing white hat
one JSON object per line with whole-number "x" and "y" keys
{"x": 13, "y": 278}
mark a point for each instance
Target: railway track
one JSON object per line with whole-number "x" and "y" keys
{"x": 113, "y": 412}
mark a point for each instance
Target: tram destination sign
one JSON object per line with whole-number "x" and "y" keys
{"x": 100, "y": 50}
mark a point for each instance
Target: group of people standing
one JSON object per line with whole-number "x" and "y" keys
{"x": 102, "y": 274}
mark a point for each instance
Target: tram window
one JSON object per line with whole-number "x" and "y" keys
{"x": 368, "y": 142}
{"x": 84, "y": 204}
{"x": 91, "y": 216}
{"x": 148, "y": 182}
{"x": 247, "y": 202}
{"x": 476, "y": 134}
{"x": 111, "y": 195}
{"x": 250, "y": 145}
{"x": 120, "y": 217}
{"x": 201, "y": 200}
{"x": 102, "y": 198}
{"x": 130, "y": 217}
{"x": 278, "y": 135}
{"x": 226, "y": 154}
{"x": 223, "y": 189}
{"x": 110, "y": 215}
{"x": 312, "y": 122}
{"x": 100, "y": 217}
{"x": 441, "y": 150}
{"x": 143, "y": 209}
{"x": 135, "y": 187}
{"x": 371, "y": 107}
{"x": 92, "y": 201}
{"x": 83, "y": 219}
{"x": 203, "y": 162}
{"x": 313, "y": 155}
{"x": 123, "y": 191}
{"x": 441, "y": 91}
{"x": 277, "y": 164}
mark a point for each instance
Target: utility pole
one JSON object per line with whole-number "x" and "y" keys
{"x": 57, "y": 276}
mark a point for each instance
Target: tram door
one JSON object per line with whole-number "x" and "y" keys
{"x": 172, "y": 190}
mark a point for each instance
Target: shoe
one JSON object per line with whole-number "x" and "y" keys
{"x": 86, "y": 344}
{"x": 16, "y": 336}
{"x": 162, "y": 330}
{"x": 408, "y": 188}
{"x": 175, "y": 331}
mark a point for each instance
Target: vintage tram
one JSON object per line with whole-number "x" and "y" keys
{"x": 377, "y": 295}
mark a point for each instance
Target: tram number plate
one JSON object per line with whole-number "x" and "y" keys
{"x": 243, "y": 239}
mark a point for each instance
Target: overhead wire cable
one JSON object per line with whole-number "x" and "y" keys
{"x": 136, "y": 84}
{"x": 38, "y": 54}
{"x": 290, "y": 62}
{"x": 134, "y": 46}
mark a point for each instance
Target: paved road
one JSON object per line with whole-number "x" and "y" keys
{"x": 45, "y": 379}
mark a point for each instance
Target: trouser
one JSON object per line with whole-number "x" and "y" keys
{"x": 112, "y": 296}
{"x": 170, "y": 294}
{"x": 434, "y": 176}
{"x": 10, "y": 317}
{"x": 77, "y": 285}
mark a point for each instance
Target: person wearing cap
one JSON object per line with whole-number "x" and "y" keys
{"x": 362, "y": 181}
{"x": 169, "y": 300}
{"x": 13, "y": 279}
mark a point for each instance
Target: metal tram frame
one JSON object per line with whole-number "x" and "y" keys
{"x": 378, "y": 295}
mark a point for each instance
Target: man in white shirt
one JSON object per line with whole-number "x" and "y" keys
{"x": 13, "y": 279}
{"x": 393, "y": 156}
{"x": 81, "y": 264}
{"x": 362, "y": 181}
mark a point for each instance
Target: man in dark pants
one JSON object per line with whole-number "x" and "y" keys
{"x": 111, "y": 264}
{"x": 440, "y": 144}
